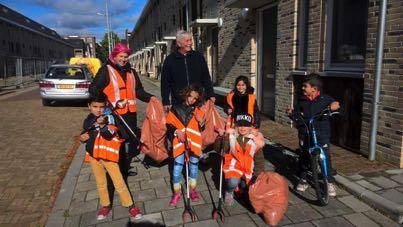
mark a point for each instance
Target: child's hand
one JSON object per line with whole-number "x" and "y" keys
{"x": 84, "y": 137}
{"x": 101, "y": 121}
{"x": 334, "y": 106}
{"x": 220, "y": 131}
{"x": 181, "y": 136}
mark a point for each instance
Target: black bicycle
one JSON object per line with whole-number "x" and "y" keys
{"x": 319, "y": 168}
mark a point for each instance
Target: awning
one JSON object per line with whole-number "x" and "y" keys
{"x": 247, "y": 3}
{"x": 169, "y": 38}
{"x": 206, "y": 22}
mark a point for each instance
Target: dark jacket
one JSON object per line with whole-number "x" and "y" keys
{"x": 91, "y": 126}
{"x": 179, "y": 71}
{"x": 240, "y": 103}
{"x": 101, "y": 80}
{"x": 310, "y": 108}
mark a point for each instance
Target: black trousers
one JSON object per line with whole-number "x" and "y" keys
{"x": 305, "y": 158}
{"x": 128, "y": 149}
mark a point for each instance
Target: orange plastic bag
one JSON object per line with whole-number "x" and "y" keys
{"x": 153, "y": 132}
{"x": 269, "y": 196}
{"x": 213, "y": 122}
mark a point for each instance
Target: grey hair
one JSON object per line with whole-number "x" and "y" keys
{"x": 181, "y": 34}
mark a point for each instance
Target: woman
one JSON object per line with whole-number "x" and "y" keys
{"x": 122, "y": 86}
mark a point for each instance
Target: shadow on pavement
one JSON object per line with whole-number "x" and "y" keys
{"x": 144, "y": 224}
{"x": 285, "y": 163}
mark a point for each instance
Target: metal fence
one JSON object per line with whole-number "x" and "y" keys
{"x": 18, "y": 71}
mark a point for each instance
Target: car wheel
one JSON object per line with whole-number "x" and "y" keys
{"x": 46, "y": 102}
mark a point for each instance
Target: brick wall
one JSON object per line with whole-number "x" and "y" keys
{"x": 234, "y": 45}
{"x": 286, "y": 22}
{"x": 389, "y": 139}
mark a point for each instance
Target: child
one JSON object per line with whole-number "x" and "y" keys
{"x": 238, "y": 161}
{"x": 311, "y": 103}
{"x": 102, "y": 146}
{"x": 184, "y": 123}
{"x": 241, "y": 100}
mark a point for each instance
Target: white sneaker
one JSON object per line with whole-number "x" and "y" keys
{"x": 331, "y": 189}
{"x": 302, "y": 186}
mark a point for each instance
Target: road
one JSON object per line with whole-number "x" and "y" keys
{"x": 37, "y": 142}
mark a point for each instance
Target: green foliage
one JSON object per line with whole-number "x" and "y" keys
{"x": 102, "y": 50}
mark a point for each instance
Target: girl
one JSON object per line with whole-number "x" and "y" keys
{"x": 241, "y": 100}
{"x": 184, "y": 123}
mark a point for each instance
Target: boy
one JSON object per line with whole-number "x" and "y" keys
{"x": 311, "y": 103}
{"x": 238, "y": 161}
{"x": 102, "y": 146}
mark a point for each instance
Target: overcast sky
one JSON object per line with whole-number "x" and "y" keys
{"x": 79, "y": 17}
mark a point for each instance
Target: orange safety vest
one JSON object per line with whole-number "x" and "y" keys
{"x": 106, "y": 149}
{"x": 239, "y": 162}
{"x": 117, "y": 90}
{"x": 251, "y": 107}
{"x": 192, "y": 132}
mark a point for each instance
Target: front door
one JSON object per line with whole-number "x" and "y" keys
{"x": 268, "y": 60}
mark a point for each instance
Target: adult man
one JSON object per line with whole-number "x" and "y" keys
{"x": 184, "y": 67}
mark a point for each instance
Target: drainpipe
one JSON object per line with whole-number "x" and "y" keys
{"x": 377, "y": 81}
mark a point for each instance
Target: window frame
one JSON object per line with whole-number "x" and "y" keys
{"x": 329, "y": 65}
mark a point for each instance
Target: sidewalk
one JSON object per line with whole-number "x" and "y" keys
{"x": 379, "y": 184}
{"x": 77, "y": 201}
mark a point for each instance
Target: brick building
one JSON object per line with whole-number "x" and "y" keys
{"x": 23, "y": 37}
{"x": 27, "y": 47}
{"x": 276, "y": 43}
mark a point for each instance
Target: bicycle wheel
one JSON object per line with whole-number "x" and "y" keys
{"x": 319, "y": 180}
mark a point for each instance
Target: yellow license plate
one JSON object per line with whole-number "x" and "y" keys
{"x": 65, "y": 86}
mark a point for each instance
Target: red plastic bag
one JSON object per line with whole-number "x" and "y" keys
{"x": 153, "y": 132}
{"x": 269, "y": 196}
{"x": 213, "y": 122}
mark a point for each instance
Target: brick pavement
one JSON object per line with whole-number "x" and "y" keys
{"x": 151, "y": 190}
{"x": 36, "y": 141}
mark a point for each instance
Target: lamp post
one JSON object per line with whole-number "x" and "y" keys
{"x": 108, "y": 26}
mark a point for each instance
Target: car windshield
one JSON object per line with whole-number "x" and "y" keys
{"x": 73, "y": 73}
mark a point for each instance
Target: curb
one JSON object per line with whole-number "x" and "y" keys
{"x": 394, "y": 210}
{"x": 65, "y": 195}
{"x": 5, "y": 94}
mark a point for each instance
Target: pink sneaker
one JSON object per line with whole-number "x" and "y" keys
{"x": 103, "y": 213}
{"x": 193, "y": 195}
{"x": 175, "y": 199}
{"x": 135, "y": 213}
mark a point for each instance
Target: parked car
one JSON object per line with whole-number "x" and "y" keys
{"x": 65, "y": 82}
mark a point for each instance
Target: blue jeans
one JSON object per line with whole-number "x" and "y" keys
{"x": 178, "y": 167}
{"x": 232, "y": 183}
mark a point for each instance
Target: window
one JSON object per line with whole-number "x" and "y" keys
{"x": 347, "y": 30}
{"x": 303, "y": 18}
{"x": 194, "y": 10}
{"x": 184, "y": 18}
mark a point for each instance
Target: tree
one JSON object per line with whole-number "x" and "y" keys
{"x": 102, "y": 51}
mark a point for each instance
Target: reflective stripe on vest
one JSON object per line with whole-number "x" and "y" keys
{"x": 239, "y": 162}
{"x": 117, "y": 90}
{"x": 107, "y": 149}
{"x": 191, "y": 131}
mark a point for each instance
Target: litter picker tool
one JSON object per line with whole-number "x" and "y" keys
{"x": 218, "y": 211}
{"x": 188, "y": 209}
